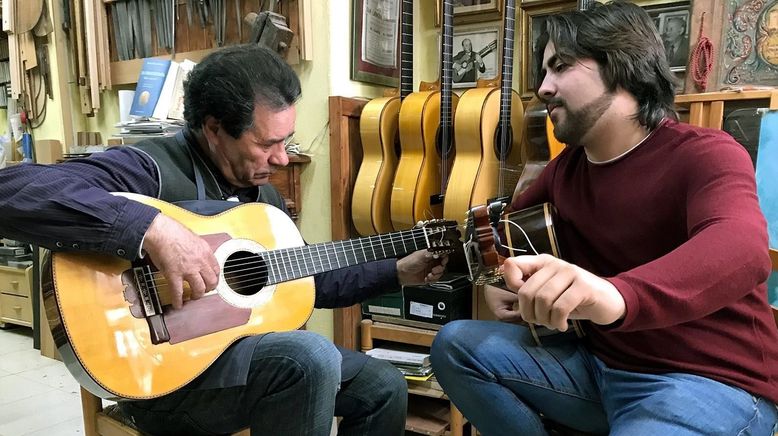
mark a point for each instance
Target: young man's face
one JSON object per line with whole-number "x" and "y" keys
{"x": 575, "y": 95}
{"x": 250, "y": 159}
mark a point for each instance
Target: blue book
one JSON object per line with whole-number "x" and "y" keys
{"x": 147, "y": 91}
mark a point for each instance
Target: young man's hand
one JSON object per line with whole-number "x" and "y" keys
{"x": 551, "y": 291}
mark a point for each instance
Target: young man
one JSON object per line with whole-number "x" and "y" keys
{"x": 239, "y": 110}
{"x": 665, "y": 262}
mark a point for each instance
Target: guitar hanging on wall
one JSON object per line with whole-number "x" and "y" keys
{"x": 378, "y": 128}
{"x": 487, "y": 129}
{"x": 426, "y": 143}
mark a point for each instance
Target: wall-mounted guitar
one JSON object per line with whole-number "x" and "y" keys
{"x": 113, "y": 324}
{"x": 378, "y": 128}
{"x": 426, "y": 143}
{"x": 488, "y": 133}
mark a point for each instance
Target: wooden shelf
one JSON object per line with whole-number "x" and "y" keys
{"x": 127, "y": 72}
{"x": 771, "y": 94}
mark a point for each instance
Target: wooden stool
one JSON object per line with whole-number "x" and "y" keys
{"x": 99, "y": 421}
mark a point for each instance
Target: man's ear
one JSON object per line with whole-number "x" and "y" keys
{"x": 211, "y": 128}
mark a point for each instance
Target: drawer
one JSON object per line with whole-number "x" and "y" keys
{"x": 15, "y": 309}
{"x": 16, "y": 281}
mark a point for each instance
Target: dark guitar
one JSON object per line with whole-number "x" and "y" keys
{"x": 493, "y": 235}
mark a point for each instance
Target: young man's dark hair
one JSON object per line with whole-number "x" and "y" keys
{"x": 634, "y": 61}
{"x": 228, "y": 83}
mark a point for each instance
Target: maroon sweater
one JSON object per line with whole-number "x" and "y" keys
{"x": 675, "y": 225}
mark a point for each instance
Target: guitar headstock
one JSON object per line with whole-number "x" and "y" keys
{"x": 442, "y": 235}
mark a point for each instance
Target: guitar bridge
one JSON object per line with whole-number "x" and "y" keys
{"x": 141, "y": 292}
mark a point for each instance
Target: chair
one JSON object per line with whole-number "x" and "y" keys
{"x": 99, "y": 421}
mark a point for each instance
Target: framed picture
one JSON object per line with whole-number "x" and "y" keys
{"x": 749, "y": 54}
{"x": 475, "y": 55}
{"x": 375, "y": 41}
{"x": 533, "y": 20}
{"x": 472, "y": 11}
{"x": 672, "y": 20}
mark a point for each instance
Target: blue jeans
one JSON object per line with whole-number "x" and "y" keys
{"x": 293, "y": 388}
{"x": 501, "y": 381}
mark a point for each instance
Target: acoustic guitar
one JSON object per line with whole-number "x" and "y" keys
{"x": 378, "y": 128}
{"x": 119, "y": 336}
{"x": 488, "y": 133}
{"x": 426, "y": 143}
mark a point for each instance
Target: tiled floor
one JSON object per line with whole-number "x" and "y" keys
{"x": 38, "y": 396}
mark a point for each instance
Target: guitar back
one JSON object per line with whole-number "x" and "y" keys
{"x": 371, "y": 200}
{"x": 110, "y": 350}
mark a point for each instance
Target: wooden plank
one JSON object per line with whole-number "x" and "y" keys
{"x": 724, "y": 95}
{"x": 90, "y": 407}
{"x": 716, "y": 115}
{"x": 344, "y": 145}
{"x": 695, "y": 114}
{"x": 91, "y": 52}
{"x": 127, "y": 72}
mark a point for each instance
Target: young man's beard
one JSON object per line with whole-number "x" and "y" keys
{"x": 578, "y": 122}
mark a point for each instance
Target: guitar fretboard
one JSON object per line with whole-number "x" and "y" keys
{"x": 406, "y": 48}
{"x": 294, "y": 263}
{"x": 506, "y": 97}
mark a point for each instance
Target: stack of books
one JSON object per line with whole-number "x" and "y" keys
{"x": 409, "y": 363}
{"x": 15, "y": 254}
{"x": 158, "y": 106}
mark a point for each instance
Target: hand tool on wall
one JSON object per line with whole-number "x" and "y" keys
{"x": 269, "y": 29}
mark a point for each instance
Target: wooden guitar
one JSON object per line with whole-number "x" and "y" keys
{"x": 378, "y": 128}
{"x": 119, "y": 336}
{"x": 462, "y": 66}
{"x": 426, "y": 143}
{"x": 488, "y": 133}
{"x": 494, "y": 235}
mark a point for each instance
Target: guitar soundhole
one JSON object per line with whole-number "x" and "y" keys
{"x": 245, "y": 272}
{"x": 448, "y": 151}
{"x": 501, "y": 151}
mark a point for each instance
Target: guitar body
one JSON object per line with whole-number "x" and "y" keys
{"x": 477, "y": 166}
{"x": 371, "y": 201}
{"x": 418, "y": 171}
{"x": 110, "y": 351}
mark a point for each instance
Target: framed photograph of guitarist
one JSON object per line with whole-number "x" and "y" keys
{"x": 533, "y": 19}
{"x": 475, "y": 56}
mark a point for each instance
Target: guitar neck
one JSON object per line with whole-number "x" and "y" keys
{"x": 298, "y": 262}
{"x": 506, "y": 94}
{"x": 406, "y": 48}
{"x": 446, "y": 85}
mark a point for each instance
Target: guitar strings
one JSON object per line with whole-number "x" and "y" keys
{"x": 305, "y": 252}
{"x": 525, "y": 236}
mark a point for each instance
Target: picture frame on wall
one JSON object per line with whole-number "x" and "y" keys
{"x": 533, "y": 16}
{"x": 472, "y": 11}
{"x": 475, "y": 55}
{"x": 375, "y": 42}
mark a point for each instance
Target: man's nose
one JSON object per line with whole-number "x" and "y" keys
{"x": 546, "y": 88}
{"x": 278, "y": 157}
